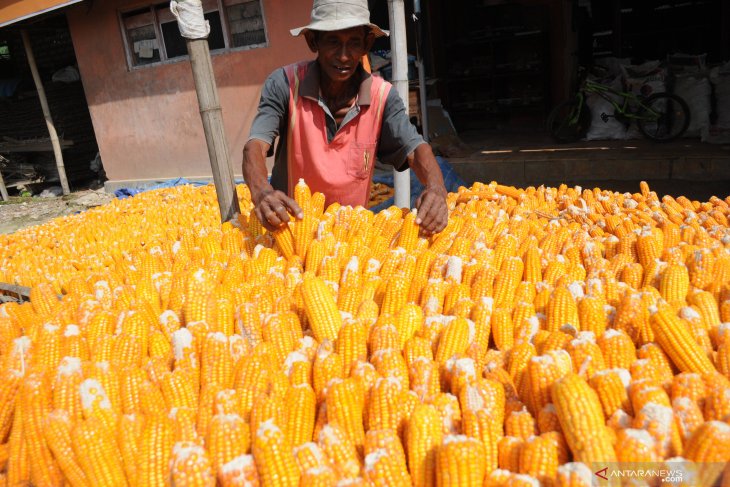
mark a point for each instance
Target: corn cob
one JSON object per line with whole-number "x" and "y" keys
{"x": 274, "y": 461}
{"x": 625, "y": 251}
{"x": 581, "y": 419}
{"x": 460, "y": 461}
{"x": 673, "y": 336}
{"x": 57, "y": 427}
{"x": 97, "y": 453}
{"x": 190, "y": 466}
{"x": 322, "y": 312}
{"x": 389, "y": 443}
{"x": 340, "y": 450}
{"x": 539, "y": 458}
{"x": 301, "y": 410}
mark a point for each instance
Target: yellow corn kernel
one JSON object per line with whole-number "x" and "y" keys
{"x": 321, "y": 309}
{"x": 97, "y": 453}
{"x": 301, "y": 410}
{"x": 274, "y": 458}
{"x": 228, "y": 438}
{"x": 340, "y": 450}
{"x": 57, "y": 427}
{"x": 539, "y": 458}
{"x": 674, "y": 338}
{"x": 190, "y": 466}
{"x": 460, "y": 461}
{"x": 581, "y": 419}
{"x": 423, "y": 437}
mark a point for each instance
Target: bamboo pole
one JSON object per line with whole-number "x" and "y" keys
{"x": 3, "y": 189}
{"x": 399, "y": 59}
{"x": 215, "y": 137}
{"x": 46, "y": 112}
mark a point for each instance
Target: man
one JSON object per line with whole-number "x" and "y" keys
{"x": 334, "y": 119}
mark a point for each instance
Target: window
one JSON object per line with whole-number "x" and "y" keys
{"x": 152, "y": 36}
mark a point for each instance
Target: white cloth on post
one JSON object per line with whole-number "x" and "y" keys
{"x": 190, "y": 20}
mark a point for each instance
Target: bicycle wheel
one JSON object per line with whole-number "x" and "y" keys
{"x": 663, "y": 117}
{"x": 565, "y": 124}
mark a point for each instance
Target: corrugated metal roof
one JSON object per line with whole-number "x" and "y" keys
{"x": 16, "y": 10}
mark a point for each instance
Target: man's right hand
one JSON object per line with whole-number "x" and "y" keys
{"x": 273, "y": 208}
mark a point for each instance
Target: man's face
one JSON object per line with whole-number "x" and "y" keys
{"x": 340, "y": 51}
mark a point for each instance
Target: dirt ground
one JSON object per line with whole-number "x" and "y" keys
{"x": 21, "y": 212}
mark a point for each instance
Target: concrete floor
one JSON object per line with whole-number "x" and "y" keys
{"x": 684, "y": 167}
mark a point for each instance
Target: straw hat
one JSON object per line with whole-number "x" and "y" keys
{"x": 329, "y": 15}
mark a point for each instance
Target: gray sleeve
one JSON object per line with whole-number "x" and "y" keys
{"x": 398, "y": 136}
{"x": 273, "y": 107}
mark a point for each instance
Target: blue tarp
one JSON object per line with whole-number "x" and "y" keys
{"x": 127, "y": 192}
{"x": 452, "y": 181}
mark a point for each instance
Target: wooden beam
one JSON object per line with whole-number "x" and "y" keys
{"x": 3, "y": 189}
{"x": 21, "y": 292}
{"x": 46, "y": 112}
{"x": 215, "y": 137}
{"x": 9, "y": 145}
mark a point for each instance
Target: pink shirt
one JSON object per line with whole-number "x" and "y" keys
{"x": 341, "y": 169}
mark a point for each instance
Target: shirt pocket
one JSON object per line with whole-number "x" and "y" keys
{"x": 360, "y": 160}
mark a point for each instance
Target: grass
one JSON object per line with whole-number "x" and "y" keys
{"x": 14, "y": 200}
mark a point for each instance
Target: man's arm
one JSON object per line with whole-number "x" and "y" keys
{"x": 254, "y": 167}
{"x": 433, "y": 214}
{"x": 272, "y": 207}
{"x": 400, "y": 143}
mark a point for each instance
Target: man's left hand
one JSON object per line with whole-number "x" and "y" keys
{"x": 433, "y": 214}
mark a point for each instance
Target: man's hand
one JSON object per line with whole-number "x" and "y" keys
{"x": 433, "y": 214}
{"x": 274, "y": 207}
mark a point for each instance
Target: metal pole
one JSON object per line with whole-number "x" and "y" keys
{"x": 399, "y": 59}
{"x": 421, "y": 69}
{"x": 46, "y": 112}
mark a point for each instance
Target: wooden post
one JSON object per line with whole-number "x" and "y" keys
{"x": 22, "y": 292}
{"x": 3, "y": 189}
{"x": 46, "y": 113}
{"x": 215, "y": 137}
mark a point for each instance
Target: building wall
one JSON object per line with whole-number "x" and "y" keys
{"x": 146, "y": 120}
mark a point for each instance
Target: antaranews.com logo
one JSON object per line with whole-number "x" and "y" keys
{"x": 670, "y": 472}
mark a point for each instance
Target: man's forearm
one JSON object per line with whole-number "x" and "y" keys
{"x": 254, "y": 168}
{"x": 433, "y": 214}
{"x": 424, "y": 164}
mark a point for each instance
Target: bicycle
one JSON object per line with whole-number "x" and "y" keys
{"x": 660, "y": 116}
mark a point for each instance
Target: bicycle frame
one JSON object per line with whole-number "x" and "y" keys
{"x": 628, "y": 99}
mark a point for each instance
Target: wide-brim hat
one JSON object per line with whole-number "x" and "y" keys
{"x": 329, "y": 15}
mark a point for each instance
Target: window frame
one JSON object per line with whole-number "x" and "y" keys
{"x": 221, "y": 6}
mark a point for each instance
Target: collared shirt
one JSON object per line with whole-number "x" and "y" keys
{"x": 398, "y": 136}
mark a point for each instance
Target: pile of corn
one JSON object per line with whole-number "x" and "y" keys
{"x": 543, "y": 335}
{"x": 380, "y": 192}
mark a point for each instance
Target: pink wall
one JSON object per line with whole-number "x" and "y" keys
{"x": 146, "y": 120}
